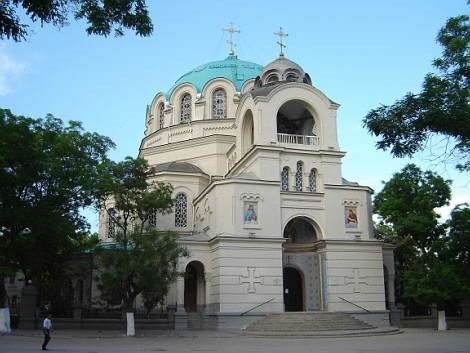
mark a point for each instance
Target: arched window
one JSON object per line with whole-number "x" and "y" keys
{"x": 111, "y": 224}
{"x": 219, "y": 104}
{"x": 152, "y": 219}
{"x": 285, "y": 179}
{"x": 291, "y": 77}
{"x": 161, "y": 115}
{"x": 312, "y": 180}
{"x": 298, "y": 176}
{"x": 185, "y": 108}
{"x": 181, "y": 211}
{"x": 272, "y": 78}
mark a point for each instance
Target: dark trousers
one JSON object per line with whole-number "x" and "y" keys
{"x": 47, "y": 338}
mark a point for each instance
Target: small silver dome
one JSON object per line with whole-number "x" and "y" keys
{"x": 282, "y": 70}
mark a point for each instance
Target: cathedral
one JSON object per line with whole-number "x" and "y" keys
{"x": 261, "y": 203}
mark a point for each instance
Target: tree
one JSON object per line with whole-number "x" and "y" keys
{"x": 48, "y": 173}
{"x": 103, "y": 17}
{"x": 440, "y": 110}
{"x": 459, "y": 237}
{"x": 141, "y": 260}
{"x": 429, "y": 257}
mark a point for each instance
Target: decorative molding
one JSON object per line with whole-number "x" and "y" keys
{"x": 351, "y": 202}
{"x": 246, "y": 196}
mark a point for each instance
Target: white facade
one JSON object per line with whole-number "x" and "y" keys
{"x": 270, "y": 222}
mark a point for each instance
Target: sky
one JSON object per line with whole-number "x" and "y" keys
{"x": 359, "y": 53}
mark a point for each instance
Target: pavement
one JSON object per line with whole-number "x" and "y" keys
{"x": 84, "y": 341}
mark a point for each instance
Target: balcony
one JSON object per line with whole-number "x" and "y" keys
{"x": 303, "y": 140}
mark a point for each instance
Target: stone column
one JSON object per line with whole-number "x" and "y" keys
{"x": 181, "y": 318}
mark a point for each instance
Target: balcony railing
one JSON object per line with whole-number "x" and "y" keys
{"x": 298, "y": 139}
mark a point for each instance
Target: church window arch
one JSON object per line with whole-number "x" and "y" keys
{"x": 285, "y": 179}
{"x": 161, "y": 115}
{"x": 111, "y": 223}
{"x": 181, "y": 210}
{"x": 298, "y": 176}
{"x": 247, "y": 131}
{"x": 152, "y": 219}
{"x": 185, "y": 113}
{"x": 296, "y": 123}
{"x": 312, "y": 180}
{"x": 272, "y": 78}
{"x": 219, "y": 104}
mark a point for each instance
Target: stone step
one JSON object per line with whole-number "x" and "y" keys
{"x": 308, "y": 322}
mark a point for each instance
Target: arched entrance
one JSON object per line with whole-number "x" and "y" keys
{"x": 300, "y": 230}
{"x": 194, "y": 287}
{"x": 301, "y": 262}
{"x": 293, "y": 290}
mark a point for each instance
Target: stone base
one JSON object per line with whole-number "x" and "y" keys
{"x": 380, "y": 318}
{"x": 216, "y": 321}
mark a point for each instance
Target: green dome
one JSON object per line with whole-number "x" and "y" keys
{"x": 235, "y": 70}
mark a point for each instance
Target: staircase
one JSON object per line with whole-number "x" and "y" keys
{"x": 307, "y": 322}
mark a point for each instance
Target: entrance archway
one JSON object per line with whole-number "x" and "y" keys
{"x": 300, "y": 230}
{"x": 293, "y": 290}
{"x": 194, "y": 287}
{"x": 302, "y": 265}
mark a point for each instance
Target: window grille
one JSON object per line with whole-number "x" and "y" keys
{"x": 219, "y": 104}
{"x": 152, "y": 219}
{"x": 298, "y": 177}
{"x": 285, "y": 179}
{"x": 185, "y": 108}
{"x": 111, "y": 225}
{"x": 161, "y": 115}
{"x": 181, "y": 211}
{"x": 312, "y": 181}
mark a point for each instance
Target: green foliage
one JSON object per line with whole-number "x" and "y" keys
{"x": 103, "y": 16}
{"x": 458, "y": 238}
{"x": 432, "y": 280}
{"x": 407, "y": 201}
{"x": 441, "y": 109}
{"x": 430, "y": 256}
{"x": 48, "y": 173}
{"x": 142, "y": 260}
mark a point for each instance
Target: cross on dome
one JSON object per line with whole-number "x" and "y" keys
{"x": 231, "y": 30}
{"x": 281, "y": 34}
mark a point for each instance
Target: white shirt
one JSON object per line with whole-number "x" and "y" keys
{"x": 47, "y": 324}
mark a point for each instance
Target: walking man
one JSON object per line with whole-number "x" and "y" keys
{"x": 46, "y": 328}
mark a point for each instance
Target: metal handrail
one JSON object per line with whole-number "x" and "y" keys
{"x": 257, "y": 306}
{"x": 360, "y": 307}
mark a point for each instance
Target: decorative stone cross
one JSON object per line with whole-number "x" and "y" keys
{"x": 281, "y": 34}
{"x": 231, "y": 30}
{"x": 356, "y": 280}
{"x": 251, "y": 279}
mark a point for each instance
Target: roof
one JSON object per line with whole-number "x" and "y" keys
{"x": 233, "y": 69}
{"x": 180, "y": 167}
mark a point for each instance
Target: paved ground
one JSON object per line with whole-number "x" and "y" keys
{"x": 410, "y": 341}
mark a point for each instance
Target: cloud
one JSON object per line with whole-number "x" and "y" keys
{"x": 9, "y": 71}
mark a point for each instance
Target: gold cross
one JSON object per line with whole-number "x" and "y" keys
{"x": 231, "y": 30}
{"x": 281, "y": 34}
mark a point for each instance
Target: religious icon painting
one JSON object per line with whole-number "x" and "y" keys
{"x": 250, "y": 212}
{"x": 350, "y": 217}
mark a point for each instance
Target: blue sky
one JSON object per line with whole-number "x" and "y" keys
{"x": 359, "y": 53}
